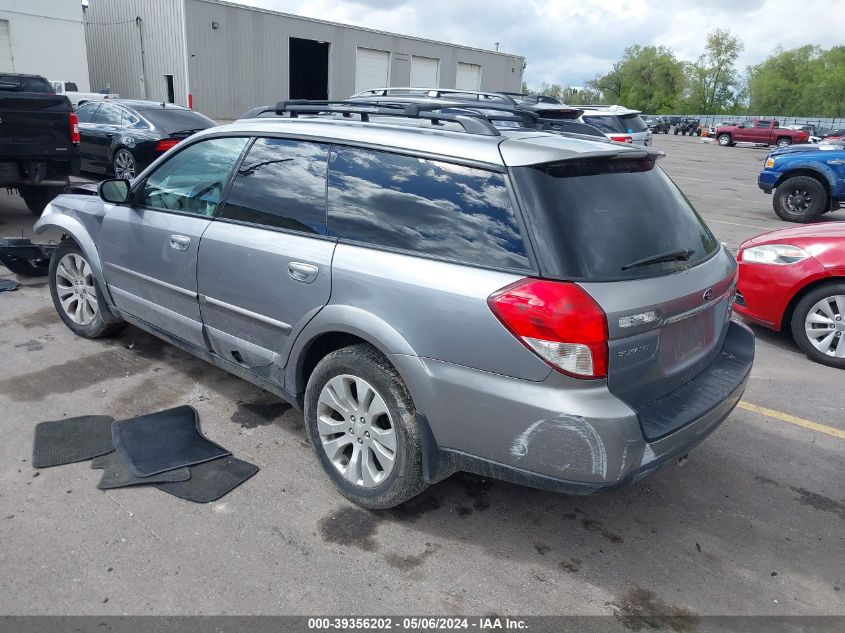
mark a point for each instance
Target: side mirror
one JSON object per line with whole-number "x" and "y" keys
{"x": 115, "y": 191}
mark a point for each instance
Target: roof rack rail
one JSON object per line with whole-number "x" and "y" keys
{"x": 472, "y": 123}
{"x": 530, "y": 117}
{"x": 436, "y": 93}
{"x": 490, "y": 111}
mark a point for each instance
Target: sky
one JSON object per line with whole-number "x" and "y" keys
{"x": 568, "y": 42}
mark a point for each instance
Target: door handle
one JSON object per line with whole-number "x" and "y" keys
{"x": 305, "y": 273}
{"x": 109, "y": 134}
{"x": 180, "y": 242}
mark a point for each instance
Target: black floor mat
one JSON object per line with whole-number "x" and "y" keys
{"x": 115, "y": 474}
{"x": 211, "y": 480}
{"x": 154, "y": 443}
{"x": 71, "y": 440}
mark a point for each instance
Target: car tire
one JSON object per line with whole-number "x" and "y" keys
{"x": 38, "y": 197}
{"x": 800, "y": 199}
{"x": 783, "y": 142}
{"x": 676, "y": 131}
{"x": 76, "y": 294}
{"x": 724, "y": 140}
{"x": 810, "y": 312}
{"x": 355, "y": 449}
{"x": 123, "y": 164}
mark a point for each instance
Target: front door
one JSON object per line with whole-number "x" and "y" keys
{"x": 99, "y": 132}
{"x": 264, "y": 265}
{"x": 149, "y": 248}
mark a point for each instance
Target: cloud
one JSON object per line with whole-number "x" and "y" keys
{"x": 569, "y": 42}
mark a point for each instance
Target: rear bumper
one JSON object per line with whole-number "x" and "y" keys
{"x": 562, "y": 434}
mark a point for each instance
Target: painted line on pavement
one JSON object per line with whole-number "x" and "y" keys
{"x": 791, "y": 419}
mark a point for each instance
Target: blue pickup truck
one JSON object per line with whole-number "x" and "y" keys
{"x": 808, "y": 180}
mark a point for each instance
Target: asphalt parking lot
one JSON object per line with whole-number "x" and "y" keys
{"x": 752, "y": 524}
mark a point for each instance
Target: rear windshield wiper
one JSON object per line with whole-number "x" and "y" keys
{"x": 681, "y": 255}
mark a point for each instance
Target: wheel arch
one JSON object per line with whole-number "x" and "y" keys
{"x": 826, "y": 178}
{"x": 789, "y": 311}
{"x": 73, "y": 229}
{"x": 354, "y": 327}
{"x": 336, "y": 326}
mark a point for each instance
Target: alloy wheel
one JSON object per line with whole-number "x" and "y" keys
{"x": 124, "y": 165}
{"x": 75, "y": 288}
{"x": 825, "y": 326}
{"x": 356, "y": 430}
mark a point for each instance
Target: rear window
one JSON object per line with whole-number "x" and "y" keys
{"x": 617, "y": 124}
{"x": 71, "y": 87}
{"x": 176, "y": 120}
{"x": 25, "y": 84}
{"x": 423, "y": 206}
{"x": 595, "y": 218}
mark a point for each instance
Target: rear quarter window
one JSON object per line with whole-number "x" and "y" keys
{"x": 595, "y": 218}
{"x": 424, "y": 206}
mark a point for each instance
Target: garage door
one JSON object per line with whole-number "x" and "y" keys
{"x": 6, "y": 63}
{"x": 469, "y": 77}
{"x": 424, "y": 72}
{"x": 371, "y": 69}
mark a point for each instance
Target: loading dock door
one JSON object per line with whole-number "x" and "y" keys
{"x": 7, "y": 64}
{"x": 424, "y": 72}
{"x": 309, "y": 69}
{"x": 372, "y": 69}
{"x": 469, "y": 77}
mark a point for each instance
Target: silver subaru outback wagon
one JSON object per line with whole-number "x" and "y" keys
{"x": 435, "y": 294}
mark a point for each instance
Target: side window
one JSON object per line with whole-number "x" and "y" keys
{"x": 281, "y": 183}
{"x": 425, "y": 206}
{"x": 763, "y": 123}
{"x": 107, "y": 115}
{"x": 85, "y": 113}
{"x": 192, "y": 181}
{"x": 127, "y": 119}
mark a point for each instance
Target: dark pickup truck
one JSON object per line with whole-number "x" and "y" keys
{"x": 39, "y": 139}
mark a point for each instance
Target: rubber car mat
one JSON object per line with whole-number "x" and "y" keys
{"x": 115, "y": 474}
{"x": 157, "y": 442}
{"x": 211, "y": 480}
{"x": 71, "y": 440}
{"x": 8, "y": 284}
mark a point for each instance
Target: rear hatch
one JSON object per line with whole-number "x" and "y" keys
{"x": 623, "y": 231}
{"x": 621, "y": 125}
{"x": 34, "y": 125}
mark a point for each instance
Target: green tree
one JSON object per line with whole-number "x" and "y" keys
{"x": 829, "y": 84}
{"x": 648, "y": 78}
{"x": 805, "y": 81}
{"x": 781, "y": 83}
{"x": 713, "y": 82}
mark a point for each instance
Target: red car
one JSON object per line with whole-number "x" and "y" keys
{"x": 794, "y": 279}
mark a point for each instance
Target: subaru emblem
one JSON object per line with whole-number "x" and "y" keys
{"x": 708, "y": 295}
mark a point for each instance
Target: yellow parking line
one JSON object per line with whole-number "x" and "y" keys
{"x": 785, "y": 417}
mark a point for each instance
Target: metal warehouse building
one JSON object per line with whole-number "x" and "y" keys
{"x": 223, "y": 59}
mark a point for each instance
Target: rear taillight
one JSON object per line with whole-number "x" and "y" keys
{"x": 165, "y": 144}
{"x": 558, "y": 321}
{"x": 622, "y": 139}
{"x": 74, "y": 127}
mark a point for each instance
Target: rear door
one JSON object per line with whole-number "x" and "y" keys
{"x": 104, "y": 125}
{"x": 264, "y": 267}
{"x": 149, "y": 248}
